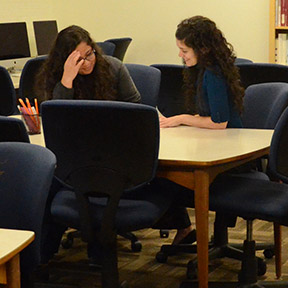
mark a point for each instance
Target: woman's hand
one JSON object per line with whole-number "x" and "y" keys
{"x": 166, "y": 122}
{"x": 71, "y": 68}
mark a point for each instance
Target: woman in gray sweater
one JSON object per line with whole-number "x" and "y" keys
{"x": 76, "y": 69}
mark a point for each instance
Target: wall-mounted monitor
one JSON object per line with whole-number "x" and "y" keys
{"x": 45, "y": 35}
{"x": 14, "y": 44}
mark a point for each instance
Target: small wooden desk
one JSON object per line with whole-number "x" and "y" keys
{"x": 12, "y": 242}
{"x": 193, "y": 157}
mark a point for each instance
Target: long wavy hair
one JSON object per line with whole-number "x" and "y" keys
{"x": 99, "y": 84}
{"x": 213, "y": 52}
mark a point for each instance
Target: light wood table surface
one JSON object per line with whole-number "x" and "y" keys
{"x": 193, "y": 157}
{"x": 12, "y": 242}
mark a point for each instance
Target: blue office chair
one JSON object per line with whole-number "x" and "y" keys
{"x": 26, "y": 175}
{"x": 104, "y": 148}
{"x": 255, "y": 73}
{"x": 171, "y": 99}
{"x": 28, "y": 76}
{"x": 121, "y": 46}
{"x": 147, "y": 80}
{"x": 13, "y": 130}
{"x": 264, "y": 104}
{"x": 107, "y": 48}
{"x": 8, "y": 95}
{"x": 264, "y": 200}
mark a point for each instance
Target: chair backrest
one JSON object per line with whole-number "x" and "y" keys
{"x": 147, "y": 80}
{"x": 123, "y": 137}
{"x": 171, "y": 100}
{"x": 27, "y": 79}
{"x": 242, "y": 61}
{"x": 107, "y": 48}
{"x": 12, "y": 130}
{"x": 278, "y": 157}
{"x": 264, "y": 104}
{"x": 7, "y": 93}
{"x": 254, "y": 73}
{"x": 26, "y": 174}
{"x": 121, "y": 45}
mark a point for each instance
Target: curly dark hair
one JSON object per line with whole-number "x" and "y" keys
{"x": 101, "y": 80}
{"x": 213, "y": 52}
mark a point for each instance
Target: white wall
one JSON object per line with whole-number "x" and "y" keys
{"x": 151, "y": 23}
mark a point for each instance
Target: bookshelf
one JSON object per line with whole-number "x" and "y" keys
{"x": 276, "y": 32}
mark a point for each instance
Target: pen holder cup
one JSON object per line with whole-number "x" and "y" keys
{"x": 32, "y": 123}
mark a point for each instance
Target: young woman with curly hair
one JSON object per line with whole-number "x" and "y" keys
{"x": 76, "y": 69}
{"x": 214, "y": 99}
{"x": 212, "y": 82}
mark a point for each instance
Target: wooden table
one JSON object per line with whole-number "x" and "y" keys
{"x": 12, "y": 242}
{"x": 193, "y": 157}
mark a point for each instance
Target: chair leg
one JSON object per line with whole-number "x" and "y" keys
{"x": 110, "y": 274}
{"x": 278, "y": 249}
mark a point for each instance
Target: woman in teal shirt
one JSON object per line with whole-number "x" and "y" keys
{"x": 214, "y": 97}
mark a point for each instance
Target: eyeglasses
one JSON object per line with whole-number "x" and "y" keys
{"x": 89, "y": 57}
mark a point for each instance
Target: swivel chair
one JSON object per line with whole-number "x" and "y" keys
{"x": 104, "y": 148}
{"x": 26, "y": 174}
{"x": 121, "y": 46}
{"x": 107, "y": 48}
{"x": 242, "y": 61}
{"x": 147, "y": 80}
{"x": 12, "y": 130}
{"x": 264, "y": 200}
{"x": 27, "y": 78}
{"x": 255, "y": 73}
{"x": 8, "y": 95}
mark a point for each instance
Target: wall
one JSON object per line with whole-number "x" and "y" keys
{"x": 151, "y": 23}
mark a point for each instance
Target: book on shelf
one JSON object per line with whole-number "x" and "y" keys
{"x": 281, "y": 46}
{"x": 281, "y": 13}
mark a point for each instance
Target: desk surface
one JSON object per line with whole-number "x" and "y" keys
{"x": 12, "y": 242}
{"x": 206, "y": 146}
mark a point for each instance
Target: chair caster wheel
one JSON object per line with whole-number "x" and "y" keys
{"x": 67, "y": 242}
{"x": 161, "y": 257}
{"x": 192, "y": 270}
{"x": 261, "y": 267}
{"x": 164, "y": 233}
{"x": 269, "y": 253}
{"x": 124, "y": 284}
{"x": 136, "y": 246}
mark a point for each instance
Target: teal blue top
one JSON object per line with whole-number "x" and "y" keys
{"x": 216, "y": 102}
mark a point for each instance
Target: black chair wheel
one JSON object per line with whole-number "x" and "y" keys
{"x": 161, "y": 257}
{"x": 136, "y": 246}
{"x": 164, "y": 233}
{"x": 261, "y": 267}
{"x": 67, "y": 242}
{"x": 192, "y": 270}
{"x": 269, "y": 253}
{"x": 124, "y": 284}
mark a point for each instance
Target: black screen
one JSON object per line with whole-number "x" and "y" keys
{"x": 14, "y": 41}
{"x": 45, "y": 35}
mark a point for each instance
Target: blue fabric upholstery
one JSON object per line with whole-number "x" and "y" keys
{"x": 27, "y": 172}
{"x": 108, "y": 48}
{"x": 12, "y": 130}
{"x": 242, "y": 61}
{"x": 255, "y": 73}
{"x": 147, "y": 80}
{"x": 28, "y": 76}
{"x": 121, "y": 46}
{"x": 170, "y": 100}
{"x": 104, "y": 148}
{"x": 264, "y": 104}
{"x": 8, "y": 95}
